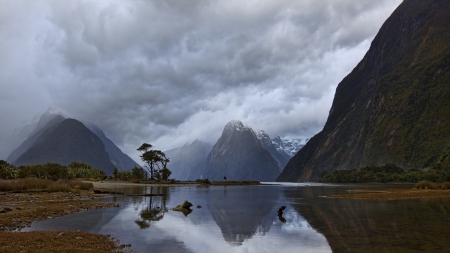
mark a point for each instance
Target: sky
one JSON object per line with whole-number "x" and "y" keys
{"x": 170, "y": 72}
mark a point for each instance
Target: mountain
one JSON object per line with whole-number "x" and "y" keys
{"x": 118, "y": 158}
{"x": 393, "y": 107}
{"x": 188, "y": 162}
{"x": 288, "y": 148}
{"x": 66, "y": 142}
{"x": 239, "y": 155}
{"x": 45, "y": 118}
{"x": 34, "y": 138}
{"x": 36, "y": 132}
{"x": 267, "y": 143}
{"x": 22, "y": 132}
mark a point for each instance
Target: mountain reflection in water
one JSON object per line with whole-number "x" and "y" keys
{"x": 232, "y": 219}
{"x": 414, "y": 225}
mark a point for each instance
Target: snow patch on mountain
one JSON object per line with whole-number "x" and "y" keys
{"x": 289, "y": 147}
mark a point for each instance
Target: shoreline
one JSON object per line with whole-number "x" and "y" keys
{"x": 392, "y": 194}
{"x": 20, "y": 209}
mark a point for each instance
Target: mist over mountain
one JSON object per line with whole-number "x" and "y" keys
{"x": 41, "y": 129}
{"x": 239, "y": 155}
{"x": 66, "y": 142}
{"x": 393, "y": 107}
{"x": 188, "y": 162}
{"x": 35, "y": 137}
{"x": 120, "y": 160}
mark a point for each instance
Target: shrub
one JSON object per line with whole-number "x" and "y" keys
{"x": 8, "y": 171}
{"x": 425, "y": 184}
{"x": 203, "y": 181}
{"x": 138, "y": 173}
{"x": 444, "y": 185}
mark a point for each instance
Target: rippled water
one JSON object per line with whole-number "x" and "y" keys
{"x": 244, "y": 219}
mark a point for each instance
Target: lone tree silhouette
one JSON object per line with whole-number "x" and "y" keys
{"x": 154, "y": 158}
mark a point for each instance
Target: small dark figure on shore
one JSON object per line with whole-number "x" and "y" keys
{"x": 225, "y": 178}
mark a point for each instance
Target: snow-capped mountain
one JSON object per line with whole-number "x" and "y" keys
{"x": 288, "y": 147}
{"x": 267, "y": 143}
{"x": 239, "y": 155}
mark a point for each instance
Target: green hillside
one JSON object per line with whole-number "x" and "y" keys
{"x": 394, "y": 106}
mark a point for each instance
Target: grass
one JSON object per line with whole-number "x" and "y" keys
{"x": 44, "y": 184}
{"x": 425, "y": 184}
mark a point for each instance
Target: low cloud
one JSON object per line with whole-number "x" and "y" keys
{"x": 168, "y": 72}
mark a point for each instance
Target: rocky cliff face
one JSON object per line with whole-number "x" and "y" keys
{"x": 239, "y": 155}
{"x": 393, "y": 107}
{"x": 188, "y": 162}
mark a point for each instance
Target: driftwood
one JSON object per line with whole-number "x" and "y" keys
{"x": 280, "y": 214}
{"x": 97, "y": 191}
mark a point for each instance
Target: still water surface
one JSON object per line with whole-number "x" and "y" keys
{"x": 244, "y": 219}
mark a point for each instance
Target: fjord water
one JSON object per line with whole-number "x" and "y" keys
{"x": 244, "y": 219}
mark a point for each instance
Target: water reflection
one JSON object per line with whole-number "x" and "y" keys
{"x": 241, "y": 214}
{"x": 418, "y": 225}
{"x": 152, "y": 207}
{"x": 232, "y": 219}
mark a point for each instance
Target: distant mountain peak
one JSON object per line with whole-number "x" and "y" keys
{"x": 235, "y": 125}
{"x": 52, "y": 111}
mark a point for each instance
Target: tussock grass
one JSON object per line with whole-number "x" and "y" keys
{"x": 24, "y": 184}
{"x": 425, "y": 184}
{"x": 44, "y": 184}
{"x": 444, "y": 185}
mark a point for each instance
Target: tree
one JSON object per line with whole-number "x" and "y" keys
{"x": 165, "y": 172}
{"x": 156, "y": 160}
{"x": 115, "y": 173}
{"x": 138, "y": 173}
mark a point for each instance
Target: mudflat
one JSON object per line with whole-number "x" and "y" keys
{"x": 19, "y": 209}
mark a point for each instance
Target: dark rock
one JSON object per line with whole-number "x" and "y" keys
{"x": 185, "y": 208}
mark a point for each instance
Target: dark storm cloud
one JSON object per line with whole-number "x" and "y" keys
{"x": 167, "y": 72}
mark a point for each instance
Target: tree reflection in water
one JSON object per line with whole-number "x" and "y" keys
{"x": 154, "y": 207}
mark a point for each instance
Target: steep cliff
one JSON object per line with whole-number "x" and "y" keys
{"x": 393, "y": 107}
